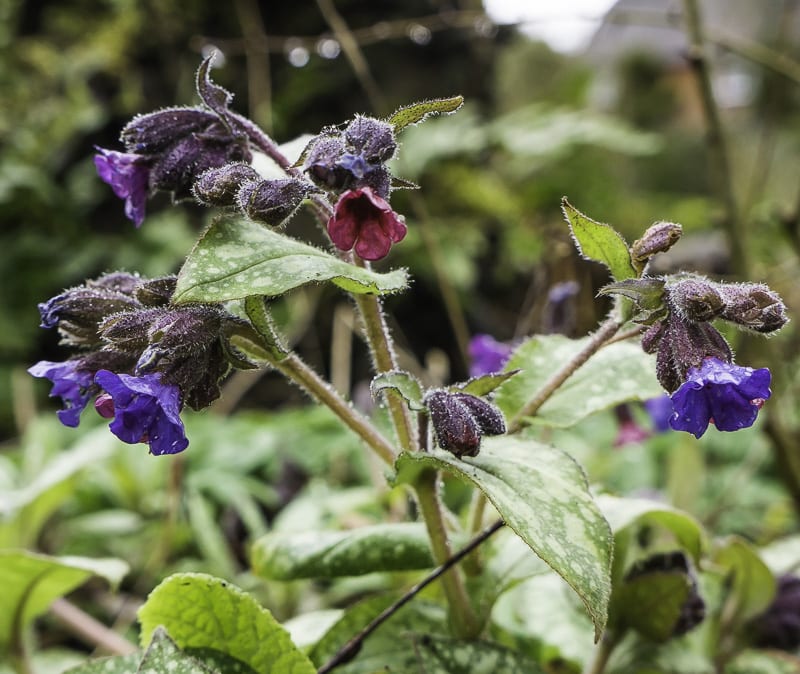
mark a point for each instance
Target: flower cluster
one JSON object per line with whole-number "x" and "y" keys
{"x": 141, "y": 358}
{"x": 460, "y": 420}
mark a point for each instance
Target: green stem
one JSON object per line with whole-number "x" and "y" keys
{"x": 377, "y": 335}
{"x": 602, "y": 653}
{"x": 718, "y": 146}
{"x": 465, "y": 622}
{"x": 597, "y": 340}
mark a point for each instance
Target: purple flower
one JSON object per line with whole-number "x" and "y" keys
{"x": 144, "y": 409}
{"x": 364, "y": 219}
{"x": 128, "y": 174}
{"x": 487, "y": 355}
{"x": 355, "y": 163}
{"x": 723, "y": 393}
{"x": 72, "y": 385}
{"x": 660, "y": 411}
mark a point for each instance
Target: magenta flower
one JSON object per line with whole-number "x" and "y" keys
{"x": 363, "y": 219}
{"x": 487, "y": 355}
{"x": 73, "y": 385}
{"x": 144, "y": 410}
{"x": 128, "y": 174}
{"x": 723, "y": 393}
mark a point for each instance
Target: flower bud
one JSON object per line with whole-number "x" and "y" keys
{"x": 371, "y": 138}
{"x": 658, "y": 238}
{"x": 322, "y": 163}
{"x": 753, "y": 306}
{"x": 779, "y": 625}
{"x": 219, "y": 186}
{"x": 272, "y": 202}
{"x": 156, "y": 292}
{"x": 696, "y": 299}
{"x": 461, "y": 419}
{"x": 154, "y": 132}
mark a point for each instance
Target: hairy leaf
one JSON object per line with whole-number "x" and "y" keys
{"x": 405, "y": 384}
{"x": 416, "y": 112}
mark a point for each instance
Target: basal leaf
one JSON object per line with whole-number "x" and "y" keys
{"x": 118, "y": 664}
{"x": 31, "y": 582}
{"x": 416, "y": 112}
{"x": 751, "y": 582}
{"x": 163, "y": 655}
{"x": 542, "y": 494}
{"x": 617, "y": 373}
{"x": 236, "y": 258}
{"x": 330, "y": 554}
{"x": 405, "y": 384}
{"x": 599, "y": 242}
{"x": 203, "y": 613}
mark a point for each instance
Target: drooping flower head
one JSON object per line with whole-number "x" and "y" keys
{"x": 129, "y": 175}
{"x": 487, "y": 355}
{"x": 363, "y": 219}
{"x": 71, "y": 382}
{"x": 144, "y": 410}
{"x": 720, "y": 392}
{"x": 660, "y": 411}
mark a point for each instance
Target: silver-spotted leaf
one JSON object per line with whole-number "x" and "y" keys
{"x": 236, "y": 258}
{"x": 399, "y": 546}
{"x": 599, "y": 242}
{"x": 203, "y": 613}
{"x": 542, "y": 494}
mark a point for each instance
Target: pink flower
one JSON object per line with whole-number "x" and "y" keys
{"x": 364, "y": 219}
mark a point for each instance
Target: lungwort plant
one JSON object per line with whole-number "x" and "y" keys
{"x": 538, "y": 572}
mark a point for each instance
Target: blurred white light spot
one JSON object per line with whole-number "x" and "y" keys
{"x": 419, "y": 34}
{"x": 296, "y": 53}
{"x": 328, "y": 48}
{"x": 219, "y": 57}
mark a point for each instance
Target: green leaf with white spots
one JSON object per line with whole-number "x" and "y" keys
{"x": 206, "y": 615}
{"x": 618, "y": 373}
{"x": 330, "y": 554}
{"x": 31, "y": 582}
{"x": 236, "y": 258}
{"x": 599, "y": 242}
{"x": 163, "y": 655}
{"x": 542, "y": 494}
{"x": 417, "y": 112}
{"x": 119, "y": 664}
{"x": 445, "y": 655}
{"x": 403, "y": 383}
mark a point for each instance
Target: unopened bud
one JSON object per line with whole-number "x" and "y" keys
{"x": 219, "y": 186}
{"x": 659, "y": 237}
{"x": 461, "y": 419}
{"x": 272, "y": 202}
{"x": 156, "y": 131}
{"x": 372, "y": 138}
{"x": 322, "y": 163}
{"x": 156, "y": 292}
{"x": 753, "y": 306}
{"x": 696, "y": 299}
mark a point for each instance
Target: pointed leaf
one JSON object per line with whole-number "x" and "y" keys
{"x": 163, "y": 655}
{"x": 31, "y": 582}
{"x": 213, "y": 95}
{"x": 542, "y": 494}
{"x": 236, "y": 258}
{"x": 485, "y": 384}
{"x": 203, "y": 613}
{"x": 118, "y": 664}
{"x": 416, "y": 112}
{"x": 403, "y": 383}
{"x": 751, "y": 581}
{"x": 618, "y": 373}
{"x": 329, "y": 554}
{"x": 599, "y": 242}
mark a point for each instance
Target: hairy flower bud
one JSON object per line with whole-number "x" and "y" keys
{"x": 272, "y": 202}
{"x": 156, "y": 292}
{"x": 658, "y": 238}
{"x": 461, "y": 419}
{"x": 219, "y": 186}
{"x": 753, "y": 306}
{"x": 696, "y": 299}
{"x": 371, "y": 138}
{"x": 156, "y": 131}
{"x": 322, "y": 165}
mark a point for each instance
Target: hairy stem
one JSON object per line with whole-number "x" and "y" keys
{"x": 462, "y": 615}
{"x": 597, "y": 340}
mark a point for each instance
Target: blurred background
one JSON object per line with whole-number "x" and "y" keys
{"x": 597, "y": 101}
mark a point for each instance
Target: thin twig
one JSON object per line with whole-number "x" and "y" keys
{"x": 351, "y": 648}
{"x": 91, "y": 631}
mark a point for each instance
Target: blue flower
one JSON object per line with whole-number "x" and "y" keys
{"x": 723, "y": 393}
{"x": 144, "y": 409}
{"x": 71, "y": 384}
{"x": 660, "y": 411}
{"x": 128, "y": 174}
{"x": 487, "y": 355}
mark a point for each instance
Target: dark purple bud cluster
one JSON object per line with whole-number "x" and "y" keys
{"x": 779, "y": 625}
{"x": 460, "y": 420}
{"x": 169, "y": 149}
{"x": 150, "y": 357}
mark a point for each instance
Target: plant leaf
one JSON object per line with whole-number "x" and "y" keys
{"x": 599, "y": 242}
{"x": 752, "y": 584}
{"x": 618, "y": 373}
{"x": 330, "y": 554}
{"x": 485, "y": 384}
{"x": 236, "y": 258}
{"x": 651, "y": 603}
{"x": 542, "y": 494}
{"x": 203, "y": 613}
{"x": 118, "y": 664}
{"x": 404, "y": 383}
{"x": 163, "y": 655}
{"x": 417, "y": 112}
{"x": 31, "y": 582}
